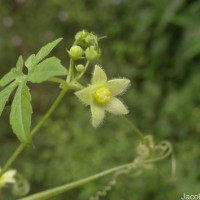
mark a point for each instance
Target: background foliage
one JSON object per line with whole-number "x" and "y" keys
{"x": 156, "y": 44}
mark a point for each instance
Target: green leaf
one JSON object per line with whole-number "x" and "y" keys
{"x": 33, "y": 60}
{"x": 20, "y": 63}
{"x": 21, "y": 110}
{"x": 5, "y": 94}
{"x": 10, "y": 76}
{"x": 50, "y": 67}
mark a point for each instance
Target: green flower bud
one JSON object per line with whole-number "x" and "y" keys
{"x": 91, "y": 53}
{"x": 85, "y": 38}
{"x": 81, "y": 35}
{"x": 76, "y": 52}
{"x": 90, "y": 38}
{"x": 80, "y": 68}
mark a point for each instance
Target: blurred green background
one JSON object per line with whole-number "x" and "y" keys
{"x": 156, "y": 44}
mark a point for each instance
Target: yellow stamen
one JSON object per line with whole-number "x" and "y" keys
{"x": 102, "y": 95}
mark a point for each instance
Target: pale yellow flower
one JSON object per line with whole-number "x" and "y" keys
{"x": 102, "y": 95}
{"x": 7, "y": 177}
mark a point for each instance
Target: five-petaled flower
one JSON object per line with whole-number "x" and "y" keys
{"x": 7, "y": 177}
{"x": 101, "y": 94}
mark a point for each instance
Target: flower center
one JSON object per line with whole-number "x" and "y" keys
{"x": 102, "y": 95}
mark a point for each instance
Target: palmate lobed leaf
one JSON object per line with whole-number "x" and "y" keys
{"x": 38, "y": 71}
{"x": 50, "y": 67}
{"x": 33, "y": 59}
{"x": 5, "y": 94}
{"x": 21, "y": 111}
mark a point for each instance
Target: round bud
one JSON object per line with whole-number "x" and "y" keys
{"x": 85, "y": 38}
{"x": 91, "y": 53}
{"x": 81, "y": 35}
{"x": 76, "y": 52}
{"x": 80, "y": 68}
{"x": 90, "y": 38}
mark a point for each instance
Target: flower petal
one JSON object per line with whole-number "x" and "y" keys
{"x": 98, "y": 114}
{"x": 7, "y": 177}
{"x": 85, "y": 95}
{"x": 9, "y": 174}
{"x": 99, "y": 77}
{"x": 117, "y": 86}
{"x": 116, "y": 107}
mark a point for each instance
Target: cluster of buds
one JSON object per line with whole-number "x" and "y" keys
{"x": 85, "y": 46}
